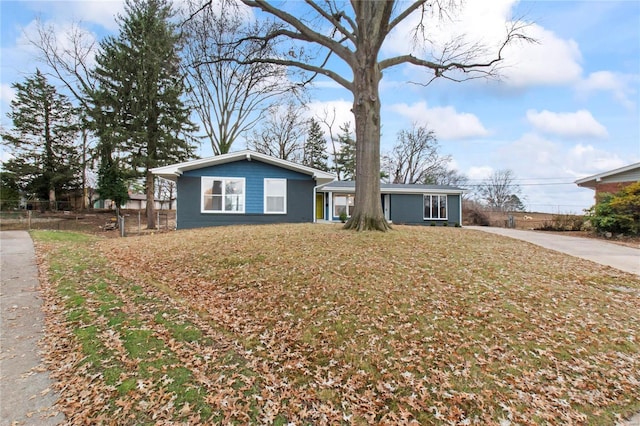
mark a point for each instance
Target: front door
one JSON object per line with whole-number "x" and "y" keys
{"x": 319, "y": 206}
{"x": 386, "y": 206}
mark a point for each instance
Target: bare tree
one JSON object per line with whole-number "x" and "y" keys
{"x": 354, "y": 33}
{"x": 71, "y": 59}
{"x": 450, "y": 177}
{"x": 499, "y": 189}
{"x": 229, "y": 97}
{"x": 415, "y": 157}
{"x": 329, "y": 120}
{"x": 281, "y": 133}
{"x": 166, "y": 190}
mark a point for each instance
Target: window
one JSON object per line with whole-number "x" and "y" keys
{"x": 343, "y": 203}
{"x": 275, "y": 196}
{"x": 435, "y": 206}
{"x": 222, "y": 195}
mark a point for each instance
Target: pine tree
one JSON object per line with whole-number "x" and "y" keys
{"x": 315, "y": 153}
{"x": 346, "y": 160}
{"x": 43, "y": 140}
{"x": 138, "y": 112}
{"x": 9, "y": 190}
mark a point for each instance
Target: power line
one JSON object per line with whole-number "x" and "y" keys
{"x": 526, "y": 184}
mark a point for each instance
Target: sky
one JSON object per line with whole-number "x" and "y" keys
{"x": 565, "y": 107}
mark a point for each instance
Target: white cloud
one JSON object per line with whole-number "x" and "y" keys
{"x": 336, "y": 111}
{"x": 547, "y": 169}
{"x": 570, "y": 124}
{"x": 100, "y": 12}
{"x": 446, "y": 122}
{"x": 549, "y": 61}
{"x": 481, "y": 27}
{"x": 479, "y": 172}
{"x": 7, "y": 93}
{"x": 65, "y": 34}
{"x": 585, "y": 160}
{"x": 532, "y": 156}
{"x": 619, "y": 85}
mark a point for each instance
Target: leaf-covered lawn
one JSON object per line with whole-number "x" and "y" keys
{"x": 310, "y": 324}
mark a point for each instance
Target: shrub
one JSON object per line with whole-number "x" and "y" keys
{"x": 617, "y": 213}
{"x": 476, "y": 216}
{"x": 563, "y": 222}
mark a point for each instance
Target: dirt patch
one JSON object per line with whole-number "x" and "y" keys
{"x": 103, "y": 222}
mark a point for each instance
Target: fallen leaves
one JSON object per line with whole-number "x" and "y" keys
{"x": 308, "y": 324}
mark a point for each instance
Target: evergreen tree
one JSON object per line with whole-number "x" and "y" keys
{"x": 112, "y": 183}
{"x": 9, "y": 190}
{"x": 138, "y": 112}
{"x": 346, "y": 159}
{"x": 514, "y": 204}
{"x": 43, "y": 140}
{"x": 315, "y": 154}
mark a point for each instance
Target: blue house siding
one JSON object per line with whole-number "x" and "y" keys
{"x": 299, "y": 195}
{"x": 409, "y": 209}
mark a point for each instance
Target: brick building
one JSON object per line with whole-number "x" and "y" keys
{"x": 611, "y": 181}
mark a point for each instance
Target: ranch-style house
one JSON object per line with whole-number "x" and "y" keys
{"x": 247, "y": 187}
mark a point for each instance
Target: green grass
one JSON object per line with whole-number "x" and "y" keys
{"x": 120, "y": 347}
{"x": 300, "y": 323}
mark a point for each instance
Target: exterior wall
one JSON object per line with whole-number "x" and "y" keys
{"x": 610, "y": 187}
{"x": 409, "y": 209}
{"x": 299, "y": 196}
{"x": 627, "y": 177}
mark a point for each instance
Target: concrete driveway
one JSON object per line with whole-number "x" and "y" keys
{"x": 620, "y": 257}
{"x": 26, "y": 394}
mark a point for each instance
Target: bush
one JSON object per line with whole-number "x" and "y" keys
{"x": 563, "y": 222}
{"x": 476, "y": 216}
{"x": 617, "y": 213}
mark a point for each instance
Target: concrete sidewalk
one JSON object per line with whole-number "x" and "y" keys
{"x": 26, "y": 395}
{"x": 620, "y": 257}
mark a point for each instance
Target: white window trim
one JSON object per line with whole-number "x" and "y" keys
{"x": 244, "y": 195}
{"x": 341, "y": 194}
{"x": 431, "y": 205}
{"x": 265, "y": 195}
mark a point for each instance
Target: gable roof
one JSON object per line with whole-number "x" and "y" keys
{"x": 173, "y": 171}
{"x": 590, "y": 181}
{"x": 394, "y": 188}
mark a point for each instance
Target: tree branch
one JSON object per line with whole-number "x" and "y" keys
{"x": 334, "y": 19}
{"x": 441, "y": 67}
{"x": 408, "y": 11}
{"x": 289, "y": 63}
{"x": 306, "y": 33}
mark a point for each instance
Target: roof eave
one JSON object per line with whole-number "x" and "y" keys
{"x": 173, "y": 171}
{"x": 595, "y": 178}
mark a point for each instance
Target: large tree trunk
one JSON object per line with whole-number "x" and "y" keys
{"x": 367, "y": 214}
{"x": 53, "y": 205}
{"x": 151, "y": 208}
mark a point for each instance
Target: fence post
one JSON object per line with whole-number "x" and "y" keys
{"x": 138, "y": 221}
{"x": 158, "y": 220}
{"x": 29, "y": 219}
{"x": 122, "y": 226}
